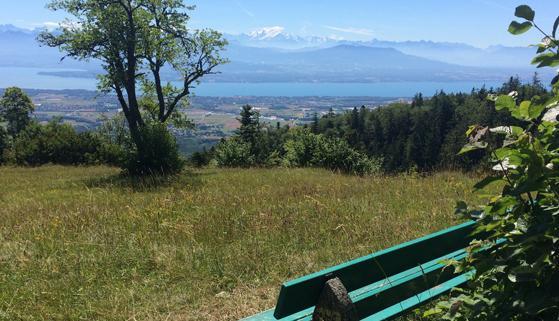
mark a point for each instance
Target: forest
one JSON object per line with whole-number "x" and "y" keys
{"x": 425, "y": 135}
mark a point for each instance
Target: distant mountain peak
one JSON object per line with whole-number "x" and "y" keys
{"x": 266, "y": 33}
{"x": 12, "y": 28}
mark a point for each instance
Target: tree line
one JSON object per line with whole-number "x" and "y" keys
{"x": 427, "y": 133}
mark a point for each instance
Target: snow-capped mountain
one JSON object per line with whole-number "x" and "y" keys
{"x": 448, "y": 52}
{"x": 266, "y": 33}
{"x": 277, "y": 37}
{"x": 273, "y": 55}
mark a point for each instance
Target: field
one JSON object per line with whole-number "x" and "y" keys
{"x": 85, "y": 244}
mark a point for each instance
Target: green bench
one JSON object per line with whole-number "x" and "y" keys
{"x": 380, "y": 286}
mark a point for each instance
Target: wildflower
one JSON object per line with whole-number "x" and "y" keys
{"x": 549, "y": 166}
{"x": 513, "y": 94}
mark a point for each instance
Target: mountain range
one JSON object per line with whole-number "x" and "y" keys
{"x": 271, "y": 55}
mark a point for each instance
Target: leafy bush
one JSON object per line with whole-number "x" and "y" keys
{"x": 234, "y": 152}
{"x": 57, "y": 143}
{"x": 202, "y": 158}
{"x": 517, "y": 266}
{"x": 305, "y": 149}
{"x": 158, "y": 153}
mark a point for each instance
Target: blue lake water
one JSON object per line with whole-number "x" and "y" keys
{"x": 30, "y": 78}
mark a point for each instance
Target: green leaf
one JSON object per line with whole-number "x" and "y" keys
{"x": 541, "y": 48}
{"x": 525, "y": 12}
{"x": 471, "y": 129}
{"x": 548, "y": 59}
{"x": 535, "y": 111}
{"x": 517, "y": 28}
{"x": 432, "y": 311}
{"x": 505, "y": 101}
{"x": 487, "y": 181}
{"x": 471, "y": 147}
{"x": 524, "y": 109}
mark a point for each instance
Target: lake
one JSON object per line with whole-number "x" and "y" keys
{"x": 30, "y": 78}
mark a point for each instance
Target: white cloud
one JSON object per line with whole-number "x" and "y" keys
{"x": 352, "y": 30}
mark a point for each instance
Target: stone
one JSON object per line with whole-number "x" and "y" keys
{"x": 334, "y": 303}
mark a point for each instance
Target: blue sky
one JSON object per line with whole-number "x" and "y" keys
{"x": 477, "y": 22}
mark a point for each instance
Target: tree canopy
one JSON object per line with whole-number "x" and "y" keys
{"x": 139, "y": 43}
{"x": 15, "y": 109}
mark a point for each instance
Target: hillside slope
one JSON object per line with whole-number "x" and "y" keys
{"x": 82, "y": 243}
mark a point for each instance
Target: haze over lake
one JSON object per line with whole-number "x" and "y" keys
{"x": 33, "y": 79}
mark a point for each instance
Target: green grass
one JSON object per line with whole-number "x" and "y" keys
{"x": 83, "y": 244}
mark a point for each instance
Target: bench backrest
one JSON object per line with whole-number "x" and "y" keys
{"x": 303, "y": 293}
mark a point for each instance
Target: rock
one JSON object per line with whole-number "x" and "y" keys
{"x": 334, "y": 303}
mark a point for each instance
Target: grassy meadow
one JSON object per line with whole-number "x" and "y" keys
{"x": 84, "y": 244}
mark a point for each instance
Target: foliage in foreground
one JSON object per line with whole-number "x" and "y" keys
{"x": 517, "y": 265}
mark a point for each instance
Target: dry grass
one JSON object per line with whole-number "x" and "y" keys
{"x": 84, "y": 244}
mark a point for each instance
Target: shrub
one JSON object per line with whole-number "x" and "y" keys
{"x": 234, "y": 152}
{"x": 202, "y": 158}
{"x": 338, "y": 155}
{"x": 158, "y": 154}
{"x": 306, "y": 149}
{"x": 57, "y": 143}
{"x": 302, "y": 148}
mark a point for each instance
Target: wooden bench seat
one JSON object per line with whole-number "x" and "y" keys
{"x": 385, "y": 284}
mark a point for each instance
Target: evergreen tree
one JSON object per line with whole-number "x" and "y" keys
{"x": 250, "y": 124}
{"x": 315, "y": 127}
{"x": 417, "y": 100}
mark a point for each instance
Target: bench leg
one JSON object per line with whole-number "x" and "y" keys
{"x": 334, "y": 303}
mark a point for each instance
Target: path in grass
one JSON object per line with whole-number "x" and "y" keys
{"x": 79, "y": 243}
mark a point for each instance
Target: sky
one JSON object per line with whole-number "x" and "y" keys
{"x": 477, "y": 22}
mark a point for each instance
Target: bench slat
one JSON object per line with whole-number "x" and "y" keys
{"x": 403, "y": 288}
{"x": 372, "y": 298}
{"x": 303, "y": 293}
{"x": 404, "y": 306}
